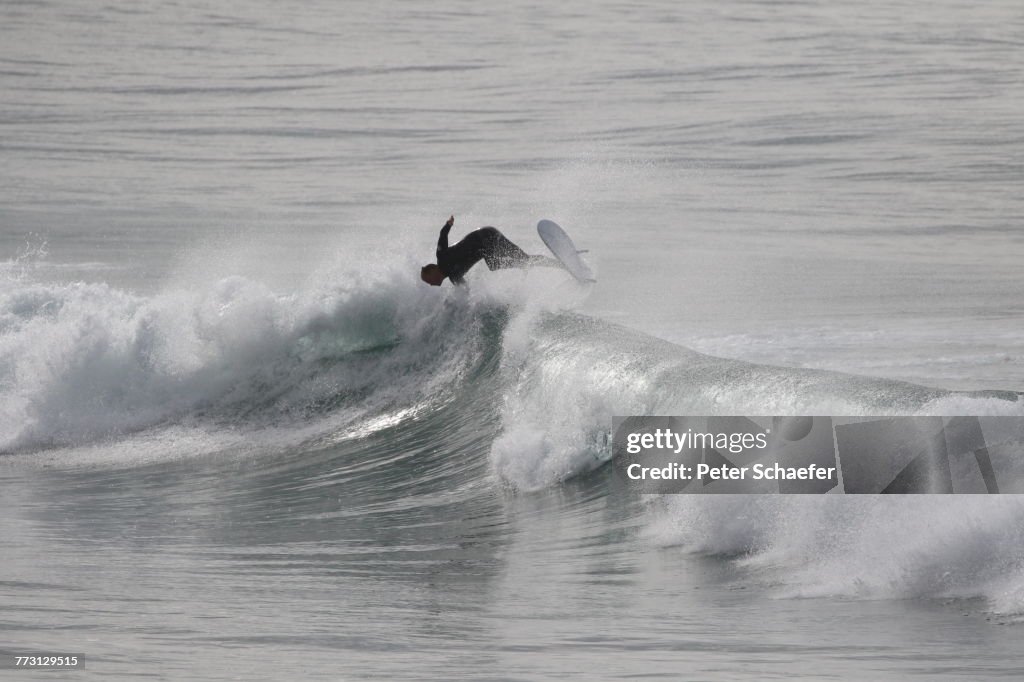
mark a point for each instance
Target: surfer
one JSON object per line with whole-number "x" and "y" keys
{"x": 488, "y": 244}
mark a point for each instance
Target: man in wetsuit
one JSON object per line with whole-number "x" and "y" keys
{"x": 487, "y": 244}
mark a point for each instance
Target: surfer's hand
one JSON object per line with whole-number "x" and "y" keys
{"x": 451, "y": 221}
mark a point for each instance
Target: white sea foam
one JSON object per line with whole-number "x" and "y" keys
{"x": 81, "y": 362}
{"x": 872, "y": 547}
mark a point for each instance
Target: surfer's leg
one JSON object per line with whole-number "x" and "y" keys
{"x": 544, "y": 261}
{"x": 499, "y": 253}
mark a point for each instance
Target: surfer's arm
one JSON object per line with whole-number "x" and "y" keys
{"x": 442, "y": 240}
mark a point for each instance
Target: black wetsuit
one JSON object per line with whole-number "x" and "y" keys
{"x": 488, "y": 244}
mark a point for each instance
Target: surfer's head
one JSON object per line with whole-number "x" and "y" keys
{"x": 432, "y": 274}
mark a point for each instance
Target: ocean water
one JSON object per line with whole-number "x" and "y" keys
{"x": 239, "y": 439}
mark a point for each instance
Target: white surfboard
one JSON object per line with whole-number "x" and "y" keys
{"x": 565, "y": 251}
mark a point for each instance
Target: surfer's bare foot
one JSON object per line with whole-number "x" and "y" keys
{"x": 451, "y": 221}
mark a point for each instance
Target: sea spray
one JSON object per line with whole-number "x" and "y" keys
{"x": 870, "y": 547}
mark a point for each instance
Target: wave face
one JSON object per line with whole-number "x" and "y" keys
{"x": 424, "y": 397}
{"x": 238, "y": 365}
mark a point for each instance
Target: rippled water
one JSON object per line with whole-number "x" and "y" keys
{"x": 241, "y": 441}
